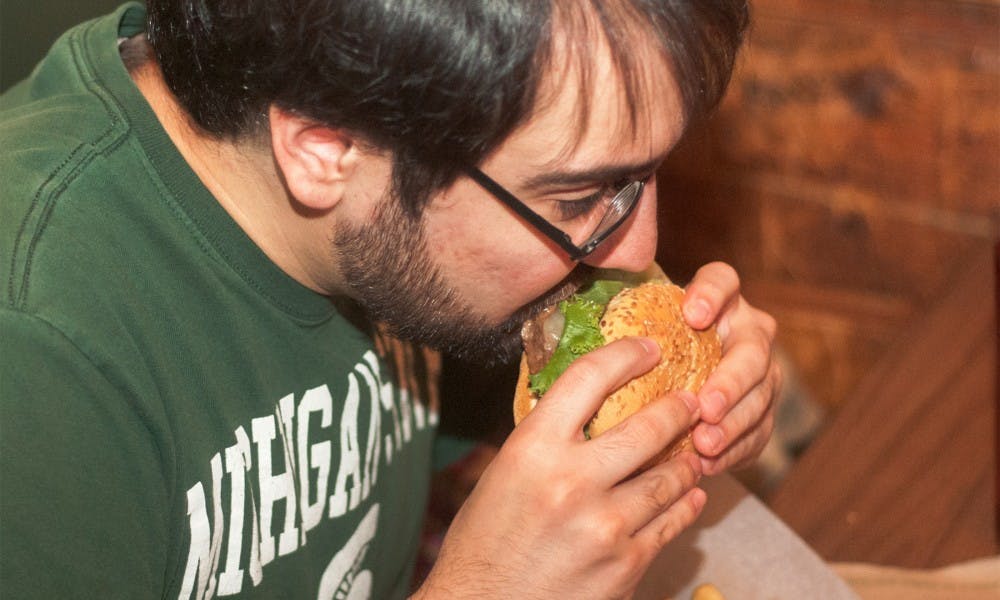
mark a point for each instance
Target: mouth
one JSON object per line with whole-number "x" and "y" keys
{"x": 556, "y": 294}
{"x": 576, "y": 279}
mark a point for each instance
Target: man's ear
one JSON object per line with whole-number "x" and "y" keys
{"x": 315, "y": 161}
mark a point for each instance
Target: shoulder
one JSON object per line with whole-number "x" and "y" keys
{"x": 68, "y": 166}
{"x": 54, "y": 124}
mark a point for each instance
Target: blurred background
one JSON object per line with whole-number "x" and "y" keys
{"x": 27, "y": 30}
{"x": 852, "y": 176}
{"x": 850, "y": 171}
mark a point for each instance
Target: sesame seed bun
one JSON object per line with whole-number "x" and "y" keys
{"x": 688, "y": 356}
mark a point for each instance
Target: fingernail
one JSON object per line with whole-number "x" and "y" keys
{"x": 699, "y": 498}
{"x": 711, "y": 437}
{"x": 713, "y": 405}
{"x": 723, "y": 328}
{"x": 697, "y": 312}
{"x": 650, "y": 346}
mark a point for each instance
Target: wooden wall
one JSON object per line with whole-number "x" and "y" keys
{"x": 852, "y": 166}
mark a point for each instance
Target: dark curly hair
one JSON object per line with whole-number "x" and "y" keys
{"x": 439, "y": 83}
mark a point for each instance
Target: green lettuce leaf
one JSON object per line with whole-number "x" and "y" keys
{"x": 582, "y": 334}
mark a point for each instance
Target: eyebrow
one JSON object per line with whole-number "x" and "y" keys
{"x": 597, "y": 174}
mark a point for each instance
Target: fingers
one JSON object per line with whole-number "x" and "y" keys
{"x": 650, "y": 510}
{"x": 737, "y": 399}
{"x": 711, "y": 438}
{"x": 743, "y": 451}
{"x": 668, "y": 525}
{"x": 740, "y": 436}
{"x": 740, "y": 391}
{"x": 743, "y": 431}
{"x": 746, "y": 360}
{"x": 714, "y": 287}
{"x": 646, "y": 497}
{"x": 578, "y": 393}
{"x": 644, "y": 435}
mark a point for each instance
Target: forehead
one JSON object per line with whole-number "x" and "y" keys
{"x": 595, "y": 105}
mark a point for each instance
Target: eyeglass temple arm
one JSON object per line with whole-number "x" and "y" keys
{"x": 521, "y": 209}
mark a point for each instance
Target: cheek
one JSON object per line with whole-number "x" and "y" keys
{"x": 495, "y": 270}
{"x": 458, "y": 245}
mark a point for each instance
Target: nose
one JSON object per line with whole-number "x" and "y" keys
{"x": 633, "y": 246}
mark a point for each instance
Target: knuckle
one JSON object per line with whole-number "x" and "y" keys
{"x": 717, "y": 267}
{"x": 608, "y": 531}
{"x": 769, "y": 324}
{"x": 763, "y": 342}
{"x": 726, "y": 382}
{"x": 723, "y": 274}
{"x": 716, "y": 466}
{"x": 763, "y": 399}
{"x": 670, "y": 530}
{"x": 777, "y": 378}
{"x": 666, "y": 484}
{"x": 633, "y": 561}
{"x": 583, "y": 370}
{"x": 715, "y": 291}
{"x": 531, "y": 447}
{"x": 667, "y": 418}
{"x": 767, "y": 426}
{"x": 745, "y": 453}
{"x": 521, "y": 441}
{"x": 661, "y": 491}
{"x": 750, "y": 446}
{"x": 559, "y": 496}
{"x": 650, "y": 424}
{"x": 729, "y": 272}
{"x": 678, "y": 520}
{"x": 638, "y": 430}
{"x": 664, "y": 488}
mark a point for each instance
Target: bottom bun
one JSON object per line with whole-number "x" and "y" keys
{"x": 524, "y": 399}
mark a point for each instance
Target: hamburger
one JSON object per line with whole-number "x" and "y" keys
{"x": 615, "y": 305}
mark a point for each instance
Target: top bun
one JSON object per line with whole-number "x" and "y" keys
{"x": 687, "y": 356}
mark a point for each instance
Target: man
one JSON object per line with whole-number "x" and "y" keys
{"x": 206, "y": 210}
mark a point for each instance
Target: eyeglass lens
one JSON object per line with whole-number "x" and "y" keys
{"x": 618, "y": 208}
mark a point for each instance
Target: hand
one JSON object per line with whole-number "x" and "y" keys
{"x": 556, "y": 515}
{"x": 737, "y": 401}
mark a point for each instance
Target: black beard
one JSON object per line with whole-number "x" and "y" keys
{"x": 387, "y": 266}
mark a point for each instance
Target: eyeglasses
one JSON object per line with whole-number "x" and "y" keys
{"x": 618, "y": 209}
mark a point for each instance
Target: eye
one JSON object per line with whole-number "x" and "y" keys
{"x": 573, "y": 209}
{"x": 569, "y": 210}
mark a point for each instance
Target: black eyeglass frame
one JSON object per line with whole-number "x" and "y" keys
{"x": 558, "y": 236}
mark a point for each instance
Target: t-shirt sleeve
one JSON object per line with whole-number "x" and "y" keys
{"x": 83, "y": 499}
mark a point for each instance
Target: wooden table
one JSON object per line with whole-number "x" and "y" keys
{"x": 906, "y": 472}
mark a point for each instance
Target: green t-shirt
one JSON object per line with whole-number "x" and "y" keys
{"x": 178, "y": 417}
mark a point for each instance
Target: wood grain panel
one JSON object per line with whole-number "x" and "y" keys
{"x": 857, "y": 153}
{"x": 905, "y": 474}
{"x": 903, "y": 112}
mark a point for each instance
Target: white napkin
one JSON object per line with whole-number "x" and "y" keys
{"x": 745, "y": 551}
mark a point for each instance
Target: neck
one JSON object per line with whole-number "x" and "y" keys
{"x": 243, "y": 178}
